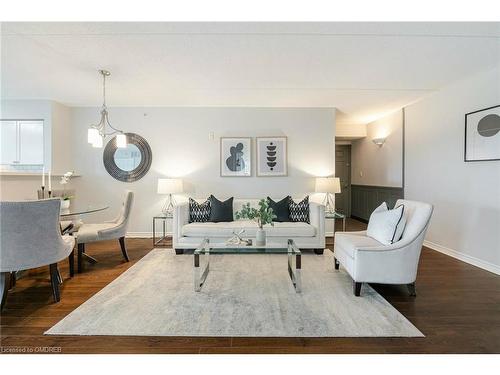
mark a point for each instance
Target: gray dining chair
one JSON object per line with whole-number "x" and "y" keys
{"x": 30, "y": 237}
{"x": 67, "y": 226}
{"x": 109, "y": 230}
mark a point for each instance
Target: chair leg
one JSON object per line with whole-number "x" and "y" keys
{"x": 4, "y": 287}
{"x": 124, "y": 249}
{"x": 59, "y": 277}
{"x": 356, "y": 288}
{"x": 411, "y": 289}
{"x": 71, "y": 261}
{"x": 337, "y": 263}
{"x": 81, "y": 250}
{"x": 54, "y": 280}
{"x": 13, "y": 280}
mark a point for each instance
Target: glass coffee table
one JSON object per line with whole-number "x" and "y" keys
{"x": 206, "y": 248}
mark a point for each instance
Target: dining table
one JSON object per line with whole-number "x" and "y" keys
{"x": 82, "y": 208}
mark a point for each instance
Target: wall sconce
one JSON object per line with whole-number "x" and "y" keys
{"x": 379, "y": 141}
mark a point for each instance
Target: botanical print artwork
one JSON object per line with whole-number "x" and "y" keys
{"x": 482, "y": 134}
{"x": 272, "y": 156}
{"x": 235, "y": 157}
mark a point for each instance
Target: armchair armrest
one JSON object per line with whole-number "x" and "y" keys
{"x": 392, "y": 264}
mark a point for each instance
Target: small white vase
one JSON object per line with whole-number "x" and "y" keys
{"x": 65, "y": 204}
{"x": 260, "y": 238}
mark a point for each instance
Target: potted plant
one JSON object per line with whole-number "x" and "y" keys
{"x": 65, "y": 198}
{"x": 262, "y": 215}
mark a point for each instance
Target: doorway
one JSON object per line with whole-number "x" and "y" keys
{"x": 343, "y": 171}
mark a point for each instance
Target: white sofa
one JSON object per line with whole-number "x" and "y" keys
{"x": 306, "y": 236}
{"x": 368, "y": 261}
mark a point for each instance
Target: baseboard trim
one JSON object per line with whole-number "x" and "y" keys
{"x": 490, "y": 267}
{"x": 144, "y": 234}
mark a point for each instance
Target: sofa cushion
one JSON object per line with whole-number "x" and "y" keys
{"x": 199, "y": 212}
{"x": 299, "y": 212}
{"x": 281, "y": 208}
{"x": 349, "y": 242}
{"x": 225, "y": 229}
{"x": 221, "y": 211}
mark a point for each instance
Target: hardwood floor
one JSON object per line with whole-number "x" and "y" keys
{"x": 457, "y": 308}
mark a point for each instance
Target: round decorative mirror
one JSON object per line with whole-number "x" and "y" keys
{"x": 128, "y": 164}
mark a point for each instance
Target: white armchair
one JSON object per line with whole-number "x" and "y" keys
{"x": 368, "y": 261}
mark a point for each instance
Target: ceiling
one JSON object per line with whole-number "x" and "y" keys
{"x": 363, "y": 69}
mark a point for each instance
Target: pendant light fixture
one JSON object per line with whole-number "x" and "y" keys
{"x": 97, "y": 133}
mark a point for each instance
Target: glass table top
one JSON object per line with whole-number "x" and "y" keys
{"x": 269, "y": 248}
{"x": 82, "y": 208}
{"x": 334, "y": 215}
{"x": 164, "y": 216}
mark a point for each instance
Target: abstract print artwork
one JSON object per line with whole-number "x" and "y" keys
{"x": 235, "y": 157}
{"x": 272, "y": 156}
{"x": 482, "y": 134}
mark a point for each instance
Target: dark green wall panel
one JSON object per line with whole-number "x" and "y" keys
{"x": 366, "y": 198}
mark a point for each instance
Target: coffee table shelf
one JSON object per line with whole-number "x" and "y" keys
{"x": 205, "y": 249}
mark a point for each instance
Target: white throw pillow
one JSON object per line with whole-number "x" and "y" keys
{"x": 386, "y": 226}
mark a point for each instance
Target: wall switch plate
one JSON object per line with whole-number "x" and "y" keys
{"x": 211, "y": 136}
{"x": 360, "y": 173}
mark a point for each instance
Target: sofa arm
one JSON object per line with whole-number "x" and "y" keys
{"x": 317, "y": 218}
{"x": 181, "y": 218}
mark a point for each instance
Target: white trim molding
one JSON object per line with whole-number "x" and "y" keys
{"x": 463, "y": 257}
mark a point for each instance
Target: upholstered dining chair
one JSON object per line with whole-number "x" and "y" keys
{"x": 368, "y": 261}
{"x": 29, "y": 238}
{"x": 67, "y": 226}
{"x": 109, "y": 230}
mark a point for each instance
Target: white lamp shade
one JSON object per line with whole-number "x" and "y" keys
{"x": 121, "y": 141}
{"x": 97, "y": 142}
{"x": 92, "y": 135}
{"x": 169, "y": 186}
{"x": 328, "y": 185}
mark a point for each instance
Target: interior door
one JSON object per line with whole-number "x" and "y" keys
{"x": 343, "y": 171}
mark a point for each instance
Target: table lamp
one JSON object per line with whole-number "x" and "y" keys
{"x": 169, "y": 186}
{"x": 329, "y": 186}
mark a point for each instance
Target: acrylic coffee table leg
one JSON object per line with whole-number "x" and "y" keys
{"x": 295, "y": 270}
{"x": 200, "y": 273}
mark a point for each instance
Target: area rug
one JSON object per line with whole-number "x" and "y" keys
{"x": 244, "y": 295}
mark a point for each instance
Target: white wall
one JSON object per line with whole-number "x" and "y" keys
{"x": 350, "y": 131}
{"x": 179, "y": 139}
{"x": 379, "y": 166}
{"x": 62, "y": 148}
{"x": 466, "y": 196}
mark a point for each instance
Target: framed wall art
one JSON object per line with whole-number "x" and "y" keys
{"x": 236, "y": 156}
{"x": 272, "y": 156}
{"x": 482, "y": 135}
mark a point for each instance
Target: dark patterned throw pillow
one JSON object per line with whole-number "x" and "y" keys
{"x": 299, "y": 212}
{"x": 199, "y": 212}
